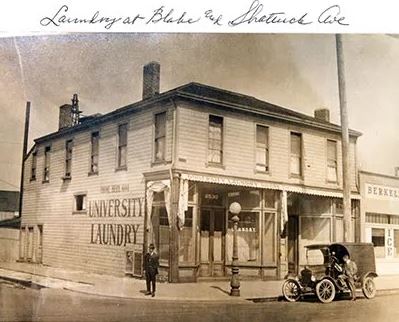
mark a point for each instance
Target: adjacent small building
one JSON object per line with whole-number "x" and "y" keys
{"x": 164, "y": 170}
{"x": 380, "y": 218}
{"x": 9, "y": 204}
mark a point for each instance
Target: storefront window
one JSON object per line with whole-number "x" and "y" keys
{"x": 247, "y": 237}
{"x": 378, "y": 239}
{"x": 269, "y": 240}
{"x": 186, "y": 247}
{"x": 248, "y": 199}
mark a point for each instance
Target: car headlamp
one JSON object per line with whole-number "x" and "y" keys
{"x": 313, "y": 278}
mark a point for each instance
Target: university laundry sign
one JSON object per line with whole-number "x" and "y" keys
{"x": 118, "y": 218}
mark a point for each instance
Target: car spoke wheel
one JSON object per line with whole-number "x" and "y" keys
{"x": 291, "y": 290}
{"x": 368, "y": 288}
{"x": 325, "y": 291}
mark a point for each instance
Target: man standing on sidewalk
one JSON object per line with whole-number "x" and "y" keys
{"x": 151, "y": 264}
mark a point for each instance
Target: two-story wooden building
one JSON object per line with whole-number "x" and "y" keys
{"x": 165, "y": 170}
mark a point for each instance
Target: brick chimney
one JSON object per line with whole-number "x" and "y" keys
{"x": 322, "y": 114}
{"x": 65, "y": 117}
{"x": 151, "y": 76}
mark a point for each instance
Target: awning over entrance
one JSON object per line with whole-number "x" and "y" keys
{"x": 265, "y": 185}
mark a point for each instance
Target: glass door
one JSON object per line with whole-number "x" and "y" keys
{"x": 212, "y": 234}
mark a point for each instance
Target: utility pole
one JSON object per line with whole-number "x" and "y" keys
{"x": 344, "y": 140}
{"x": 24, "y": 151}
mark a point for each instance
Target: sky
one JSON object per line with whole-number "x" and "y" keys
{"x": 296, "y": 71}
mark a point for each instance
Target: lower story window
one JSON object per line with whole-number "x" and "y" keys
{"x": 247, "y": 237}
{"x": 378, "y": 239}
{"x": 186, "y": 242}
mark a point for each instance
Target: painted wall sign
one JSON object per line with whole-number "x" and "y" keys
{"x": 115, "y": 188}
{"x": 374, "y": 191}
{"x": 114, "y": 234}
{"x": 125, "y": 207}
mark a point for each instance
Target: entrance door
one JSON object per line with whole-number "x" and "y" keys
{"x": 212, "y": 233}
{"x": 293, "y": 231}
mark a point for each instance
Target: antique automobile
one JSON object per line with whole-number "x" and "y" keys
{"x": 323, "y": 273}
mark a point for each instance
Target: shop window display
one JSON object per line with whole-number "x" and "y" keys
{"x": 247, "y": 237}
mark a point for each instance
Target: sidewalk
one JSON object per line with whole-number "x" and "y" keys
{"x": 127, "y": 287}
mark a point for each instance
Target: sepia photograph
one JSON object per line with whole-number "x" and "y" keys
{"x": 199, "y": 177}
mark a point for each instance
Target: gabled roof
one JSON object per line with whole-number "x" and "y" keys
{"x": 212, "y": 95}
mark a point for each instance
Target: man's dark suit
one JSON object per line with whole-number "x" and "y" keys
{"x": 151, "y": 264}
{"x": 350, "y": 271}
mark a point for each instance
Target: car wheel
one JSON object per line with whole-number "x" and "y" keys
{"x": 368, "y": 288}
{"x": 325, "y": 291}
{"x": 291, "y": 290}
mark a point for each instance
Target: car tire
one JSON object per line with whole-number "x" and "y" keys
{"x": 291, "y": 290}
{"x": 325, "y": 291}
{"x": 368, "y": 288}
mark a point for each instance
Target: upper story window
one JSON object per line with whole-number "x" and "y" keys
{"x": 215, "y": 139}
{"x": 68, "y": 158}
{"x": 332, "y": 173}
{"x": 262, "y": 148}
{"x": 94, "y": 152}
{"x": 46, "y": 170}
{"x": 296, "y": 154}
{"x": 160, "y": 136}
{"x": 33, "y": 166}
{"x": 122, "y": 146}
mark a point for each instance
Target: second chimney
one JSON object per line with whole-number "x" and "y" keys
{"x": 322, "y": 114}
{"x": 151, "y": 76}
{"x": 65, "y": 117}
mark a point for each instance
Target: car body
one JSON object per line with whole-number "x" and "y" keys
{"x": 323, "y": 274}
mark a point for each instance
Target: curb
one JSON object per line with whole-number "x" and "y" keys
{"x": 174, "y": 299}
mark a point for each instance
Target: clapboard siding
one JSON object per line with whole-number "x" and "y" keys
{"x": 239, "y": 147}
{"x": 67, "y": 236}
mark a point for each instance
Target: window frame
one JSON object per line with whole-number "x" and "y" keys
{"x": 266, "y": 148}
{"x": 33, "y": 168}
{"x": 84, "y": 201}
{"x": 156, "y": 137}
{"x": 119, "y": 166}
{"x": 68, "y": 159}
{"x": 92, "y": 155}
{"x": 46, "y": 164}
{"x": 335, "y": 161}
{"x": 300, "y": 157}
{"x": 212, "y": 163}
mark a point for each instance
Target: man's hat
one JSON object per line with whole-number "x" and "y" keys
{"x": 151, "y": 246}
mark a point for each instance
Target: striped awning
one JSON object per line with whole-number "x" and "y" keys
{"x": 218, "y": 179}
